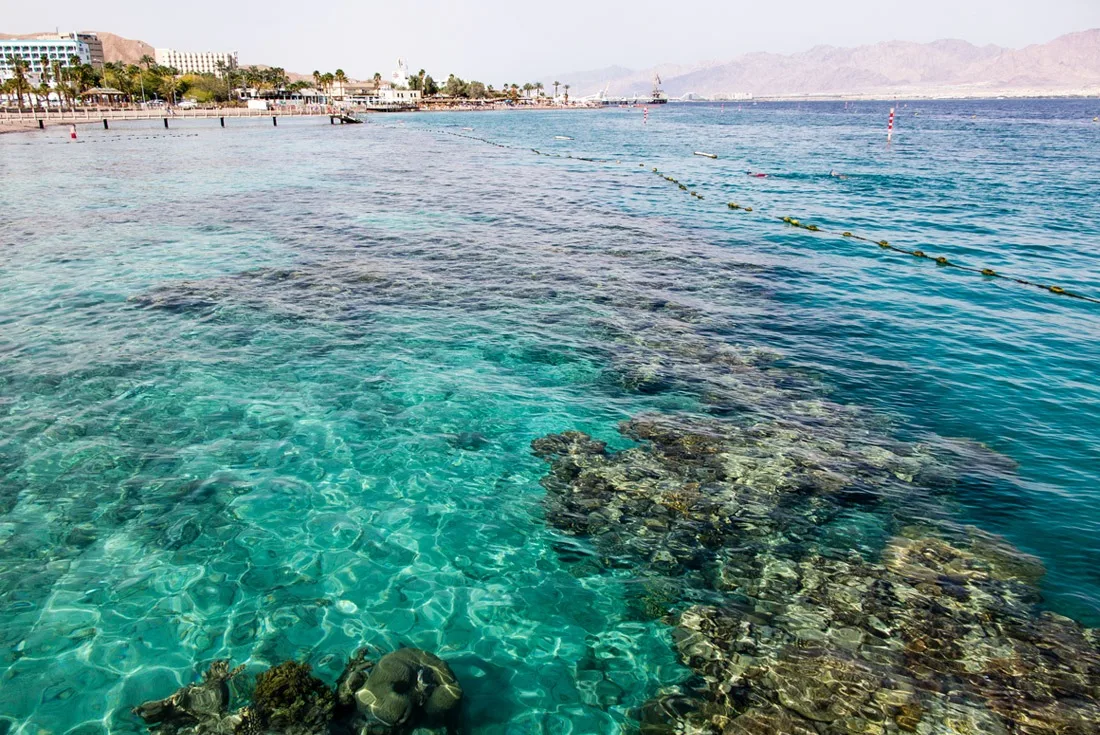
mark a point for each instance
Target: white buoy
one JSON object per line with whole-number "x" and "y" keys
{"x": 706, "y": 155}
{"x": 562, "y": 137}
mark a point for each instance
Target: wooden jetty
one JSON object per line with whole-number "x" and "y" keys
{"x": 38, "y": 119}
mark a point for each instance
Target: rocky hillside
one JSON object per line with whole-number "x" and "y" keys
{"x": 126, "y": 50}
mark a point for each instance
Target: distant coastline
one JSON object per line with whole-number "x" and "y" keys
{"x": 886, "y": 97}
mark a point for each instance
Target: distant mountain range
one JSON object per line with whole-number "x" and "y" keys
{"x": 1067, "y": 65}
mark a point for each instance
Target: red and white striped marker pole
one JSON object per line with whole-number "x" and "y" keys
{"x": 890, "y": 126}
{"x": 72, "y": 132}
{"x": 645, "y": 116}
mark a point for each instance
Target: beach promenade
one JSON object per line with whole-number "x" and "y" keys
{"x": 37, "y": 119}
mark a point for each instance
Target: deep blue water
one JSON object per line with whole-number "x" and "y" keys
{"x": 268, "y": 393}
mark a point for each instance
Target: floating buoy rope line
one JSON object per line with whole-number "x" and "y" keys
{"x": 111, "y": 139}
{"x": 941, "y": 261}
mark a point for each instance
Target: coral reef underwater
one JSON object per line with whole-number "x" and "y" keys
{"x": 791, "y": 621}
{"x": 805, "y": 559}
{"x": 405, "y": 691}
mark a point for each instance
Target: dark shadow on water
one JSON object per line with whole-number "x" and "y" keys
{"x": 483, "y": 684}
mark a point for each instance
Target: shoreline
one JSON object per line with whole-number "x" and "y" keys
{"x": 886, "y": 97}
{"x": 32, "y": 124}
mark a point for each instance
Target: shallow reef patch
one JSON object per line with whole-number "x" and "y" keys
{"x": 406, "y": 690}
{"x": 789, "y": 628}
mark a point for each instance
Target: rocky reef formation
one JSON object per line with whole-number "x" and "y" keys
{"x": 792, "y": 627}
{"x": 406, "y": 690}
{"x": 195, "y": 708}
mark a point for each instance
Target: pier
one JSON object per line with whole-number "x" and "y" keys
{"x": 39, "y": 119}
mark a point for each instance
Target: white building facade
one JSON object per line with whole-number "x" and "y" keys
{"x": 400, "y": 76}
{"x": 196, "y": 62}
{"x": 91, "y": 40}
{"x": 56, "y": 51}
{"x": 386, "y": 97}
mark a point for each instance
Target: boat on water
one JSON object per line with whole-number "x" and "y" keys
{"x": 656, "y": 97}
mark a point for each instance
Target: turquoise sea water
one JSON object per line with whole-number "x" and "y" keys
{"x": 268, "y": 393}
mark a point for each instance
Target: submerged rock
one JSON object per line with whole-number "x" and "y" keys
{"x": 196, "y": 708}
{"x": 406, "y": 690}
{"x": 351, "y": 681}
{"x": 938, "y": 631}
{"x": 470, "y": 441}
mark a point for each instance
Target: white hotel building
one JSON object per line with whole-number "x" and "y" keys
{"x": 195, "y": 62}
{"x": 55, "y": 50}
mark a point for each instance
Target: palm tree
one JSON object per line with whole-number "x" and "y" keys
{"x": 19, "y": 83}
{"x": 81, "y": 75}
{"x": 341, "y": 78}
{"x": 277, "y": 78}
{"x": 566, "y": 94}
{"x": 168, "y": 87}
{"x": 124, "y": 79}
{"x": 44, "y": 81}
{"x": 148, "y": 61}
{"x": 377, "y": 81}
{"x": 538, "y": 88}
{"x": 223, "y": 71}
{"x": 59, "y": 82}
{"x": 556, "y": 84}
{"x": 129, "y": 73}
{"x": 527, "y": 87}
{"x": 253, "y": 78}
{"x": 109, "y": 69}
{"x": 137, "y": 72}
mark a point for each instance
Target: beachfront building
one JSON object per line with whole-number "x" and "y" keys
{"x": 196, "y": 62}
{"x": 91, "y": 40}
{"x": 385, "y": 97}
{"x": 56, "y": 51}
{"x": 95, "y": 48}
{"x": 371, "y": 94}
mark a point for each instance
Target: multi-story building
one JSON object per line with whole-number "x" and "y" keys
{"x": 56, "y": 51}
{"x": 91, "y": 40}
{"x": 95, "y": 47}
{"x": 196, "y": 62}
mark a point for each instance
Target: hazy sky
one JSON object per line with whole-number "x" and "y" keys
{"x": 501, "y": 41}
